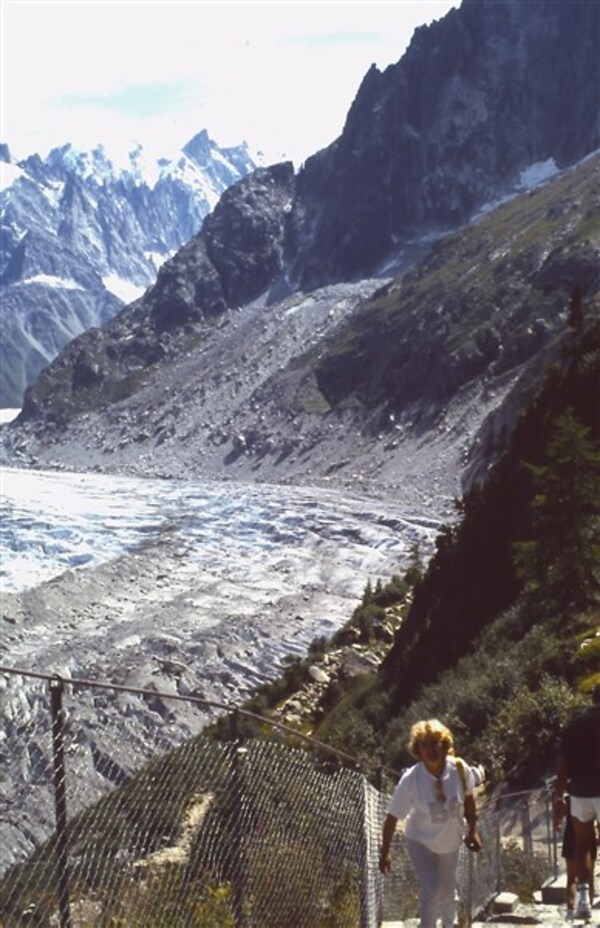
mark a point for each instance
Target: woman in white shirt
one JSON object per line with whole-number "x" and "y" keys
{"x": 433, "y": 800}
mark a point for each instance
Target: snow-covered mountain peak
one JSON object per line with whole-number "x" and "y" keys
{"x": 86, "y": 164}
{"x": 201, "y": 157}
{"x": 199, "y": 148}
{"x": 107, "y": 163}
{"x": 106, "y": 216}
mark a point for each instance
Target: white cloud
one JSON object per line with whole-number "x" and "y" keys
{"x": 280, "y": 75}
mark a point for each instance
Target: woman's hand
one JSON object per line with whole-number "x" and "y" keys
{"x": 385, "y": 861}
{"x": 473, "y": 839}
{"x": 385, "y": 858}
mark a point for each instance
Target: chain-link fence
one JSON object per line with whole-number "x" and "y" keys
{"x": 276, "y": 830}
{"x": 526, "y": 843}
{"x": 260, "y": 833}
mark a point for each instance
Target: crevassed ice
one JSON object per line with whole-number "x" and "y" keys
{"x": 50, "y": 521}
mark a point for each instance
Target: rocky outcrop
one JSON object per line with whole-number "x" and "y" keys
{"x": 478, "y": 97}
{"x": 235, "y": 258}
{"x": 485, "y": 303}
{"x": 214, "y": 272}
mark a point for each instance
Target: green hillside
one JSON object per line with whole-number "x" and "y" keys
{"x": 501, "y": 634}
{"x": 487, "y": 299}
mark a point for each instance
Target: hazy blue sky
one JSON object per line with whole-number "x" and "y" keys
{"x": 280, "y": 75}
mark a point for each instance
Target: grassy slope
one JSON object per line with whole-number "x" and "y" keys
{"x": 467, "y": 649}
{"x": 486, "y": 300}
{"x": 471, "y": 649}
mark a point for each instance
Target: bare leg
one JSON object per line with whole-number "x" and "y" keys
{"x": 571, "y": 882}
{"x": 584, "y": 842}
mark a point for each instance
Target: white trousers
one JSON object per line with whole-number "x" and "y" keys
{"x": 436, "y": 874}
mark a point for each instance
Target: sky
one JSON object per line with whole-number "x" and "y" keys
{"x": 280, "y": 76}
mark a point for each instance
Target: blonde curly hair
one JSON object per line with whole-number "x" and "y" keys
{"x": 430, "y": 728}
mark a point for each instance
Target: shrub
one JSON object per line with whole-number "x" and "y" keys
{"x": 167, "y": 898}
{"x": 522, "y": 873}
{"x": 527, "y": 727}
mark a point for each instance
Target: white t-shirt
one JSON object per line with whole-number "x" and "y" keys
{"x": 438, "y": 824}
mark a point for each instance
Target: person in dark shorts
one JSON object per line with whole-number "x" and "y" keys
{"x": 568, "y": 854}
{"x": 579, "y": 774}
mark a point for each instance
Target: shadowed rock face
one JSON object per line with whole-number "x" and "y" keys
{"x": 230, "y": 262}
{"x": 236, "y": 256}
{"x": 479, "y": 96}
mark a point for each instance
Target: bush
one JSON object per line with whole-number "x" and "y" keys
{"x": 285, "y": 888}
{"x": 149, "y": 902}
{"x": 527, "y": 728}
{"x": 522, "y": 873}
{"x": 349, "y": 731}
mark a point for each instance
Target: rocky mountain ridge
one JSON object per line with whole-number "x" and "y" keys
{"x": 383, "y": 387}
{"x": 83, "y": 232}
{"x": 479, "y": 95}
{"x": 254, "y": 356}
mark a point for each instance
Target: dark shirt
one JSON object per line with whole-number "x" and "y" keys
{"x": 580, "y": 748}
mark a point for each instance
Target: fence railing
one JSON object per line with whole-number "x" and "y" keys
{"x": 259, "y": 833}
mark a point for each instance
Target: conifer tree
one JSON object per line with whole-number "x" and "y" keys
{"x": 560, "y": 565}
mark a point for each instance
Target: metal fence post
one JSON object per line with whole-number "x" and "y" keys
{"x": 234, "y": 726}
{"x": 470, "y": 880}
{"x": 363, "y": 862}
{"x": 237, "y": 824}
{"x": 527, "y": 829}
{"x": 552, "y": 837}
{"x": 369, "y": 879}
{"x": 380, "y": 884}
{"x": 498, "y": 850}
{"x": 60, "y": 801}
